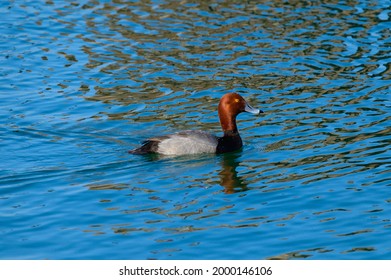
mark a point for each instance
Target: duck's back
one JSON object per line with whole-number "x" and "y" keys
{"x": 181, "y": 143}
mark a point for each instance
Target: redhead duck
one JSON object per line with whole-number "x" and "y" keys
{"x": 196, "y": 142}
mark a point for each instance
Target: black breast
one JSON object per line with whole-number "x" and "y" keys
{"x": 229, "y": 143}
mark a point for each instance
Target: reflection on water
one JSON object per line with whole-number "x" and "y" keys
{"x": 90, "y": 79}
{"x": 230, "y": 179}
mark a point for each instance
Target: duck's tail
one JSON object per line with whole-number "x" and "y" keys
{"x": 147, "y": 147}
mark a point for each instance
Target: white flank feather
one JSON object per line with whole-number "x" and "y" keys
{"x": 188, "y": 142}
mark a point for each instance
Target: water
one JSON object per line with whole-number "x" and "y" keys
{"x": 83, "y": 82}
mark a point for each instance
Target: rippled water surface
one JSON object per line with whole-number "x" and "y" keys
{"x": 83, "y": 82}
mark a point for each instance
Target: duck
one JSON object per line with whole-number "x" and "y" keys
{"x": 190, "y": 142}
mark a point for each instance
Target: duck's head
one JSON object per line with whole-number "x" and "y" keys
{"x": 232, "y": 104}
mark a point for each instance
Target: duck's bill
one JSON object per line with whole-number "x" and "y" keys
{"x": 252, "y": 110}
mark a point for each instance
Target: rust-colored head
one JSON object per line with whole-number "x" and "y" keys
{"x": 232, "y": 104}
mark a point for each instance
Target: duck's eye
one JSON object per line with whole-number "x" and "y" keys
{"x": 236, "y": 100}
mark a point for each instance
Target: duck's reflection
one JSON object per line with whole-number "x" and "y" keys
{"x": 229, "y": 178}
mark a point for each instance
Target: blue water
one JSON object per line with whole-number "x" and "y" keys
{"x": 83, "y": 82}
